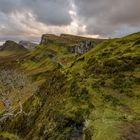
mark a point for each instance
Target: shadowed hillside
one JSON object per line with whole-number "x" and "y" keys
{"x": 10, "y": 50}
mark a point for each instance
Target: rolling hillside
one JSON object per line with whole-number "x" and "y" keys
{"x": 90, "y": 96}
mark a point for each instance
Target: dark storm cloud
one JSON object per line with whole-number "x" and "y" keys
{"x": 24, "y": 18}
{"x": 106, "y": 17}
{"x": 48, "y": 12}
{"x": 8, "y": 6}
{"x": 51, "y": 12}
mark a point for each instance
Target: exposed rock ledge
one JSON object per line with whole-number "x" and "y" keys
{"x": 82, "y": 47}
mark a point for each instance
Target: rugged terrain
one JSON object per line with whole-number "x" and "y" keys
{"x": 88, "y": 89}
{"x": 27, "y": 44}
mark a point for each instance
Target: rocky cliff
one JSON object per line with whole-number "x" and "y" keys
{"x": 67, "y": 39}
{"x": 82, "y": 47}
{"x": 74, "y": 44}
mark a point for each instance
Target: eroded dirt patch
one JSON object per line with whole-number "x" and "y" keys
{"x": 132, "y": 132}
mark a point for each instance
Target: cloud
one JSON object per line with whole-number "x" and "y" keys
{"x": 50, "y": 12}
{"x": 8, "y": 6}
{"x": 29, "y": 19}
{"x": 106, "y": 17}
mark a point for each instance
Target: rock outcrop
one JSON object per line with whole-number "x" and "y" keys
{"x": 27, "y": 44}
{"x": 82, "y": 47}
{"x": 66, "y": 39}
{"x": 50, "y": 38}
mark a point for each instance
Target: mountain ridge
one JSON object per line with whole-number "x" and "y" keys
{"x": 67, "y": 38}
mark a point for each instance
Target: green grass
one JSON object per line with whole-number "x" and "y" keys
{"x": 96, "y": 94}
{"x": 6, "y": 53}
{"x": 6, "y": 135}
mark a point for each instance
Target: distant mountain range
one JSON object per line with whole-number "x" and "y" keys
{"x": 28, "y": 45}
{"x": 11, "y": 48}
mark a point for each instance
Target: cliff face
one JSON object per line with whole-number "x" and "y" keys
{"x": 74, "y": 44}
{"x": 50, "y": 38}
{"x": 67, "y": 39}
{"x": 82, "y": 47}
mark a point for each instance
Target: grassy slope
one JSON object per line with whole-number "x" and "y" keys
{"x": 112, "y": 73}
{"x": 96, "y": 97}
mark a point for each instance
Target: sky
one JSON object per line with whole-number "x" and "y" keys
{"x": 29, "y": 19}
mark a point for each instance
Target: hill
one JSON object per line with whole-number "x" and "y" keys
{"x": 27, "y": 44}
{"x": 10, "y": 48}
{"x": 56, "y": 51}
{"x": 94, "y": 96}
